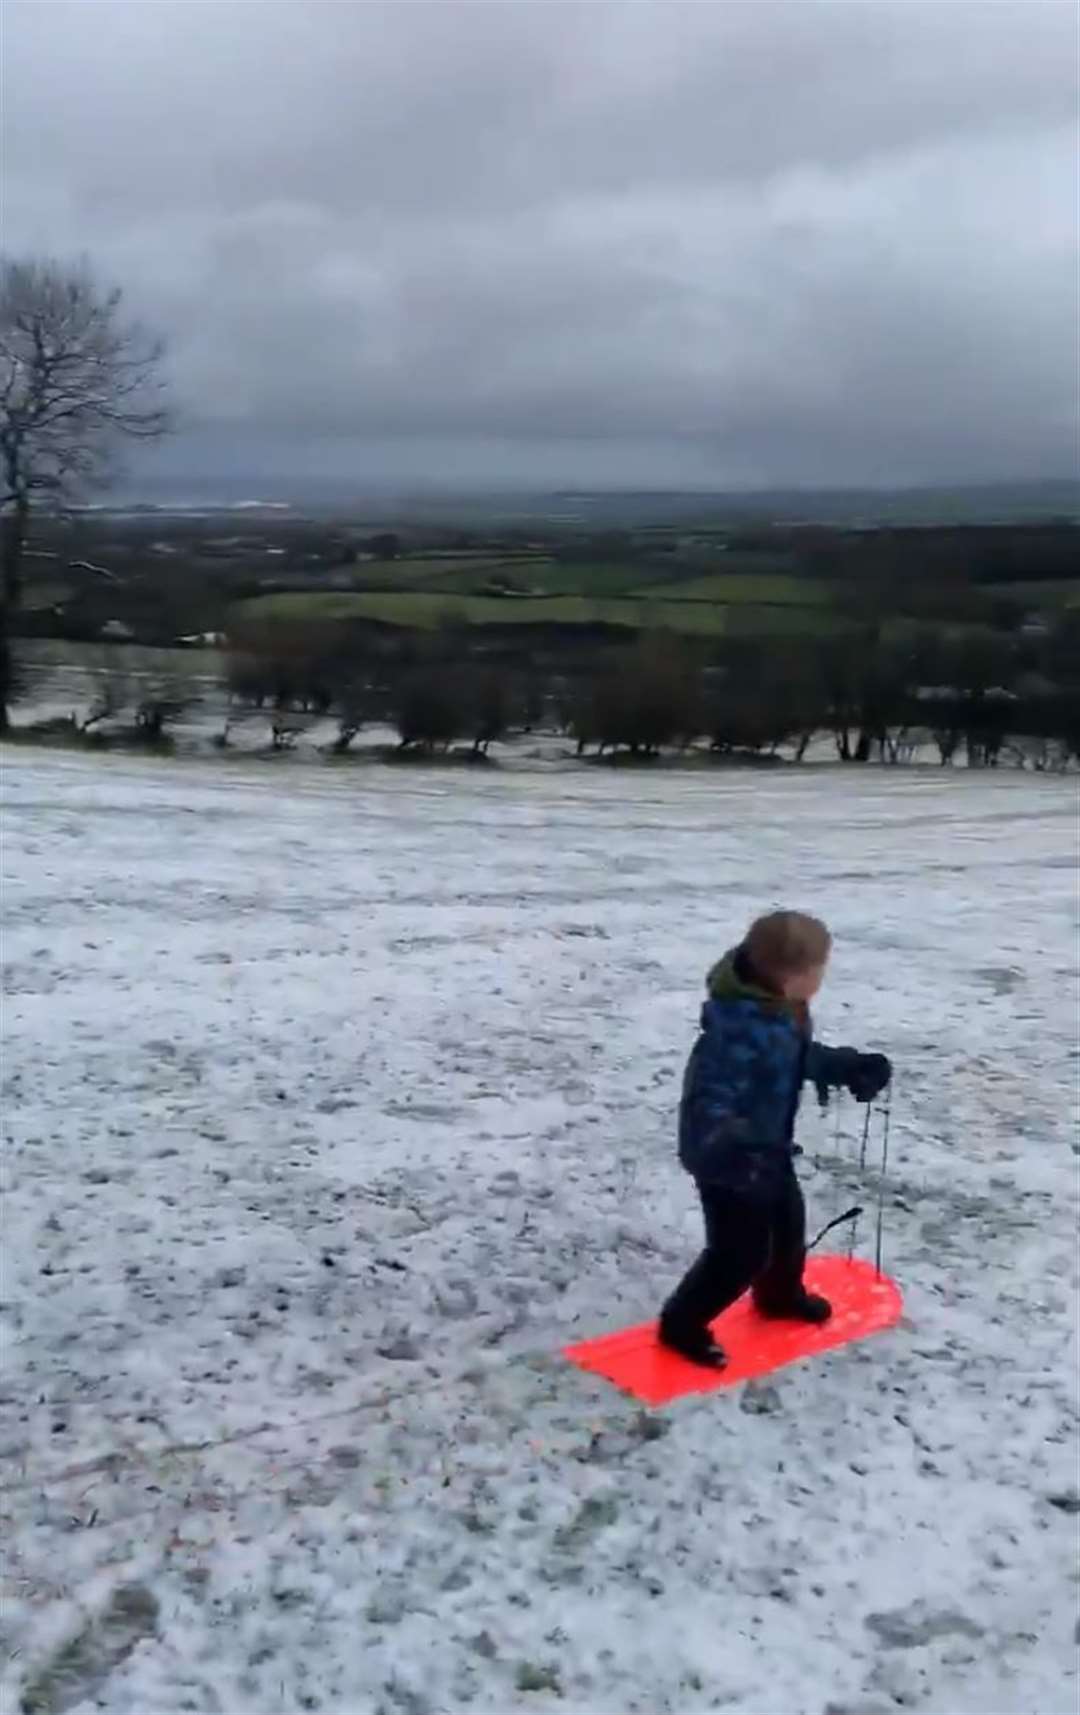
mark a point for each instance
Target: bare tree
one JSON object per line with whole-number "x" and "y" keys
{"x": 643, "y": 697}
{"x": 76, "y": 379}
{"x": 356, "y": 701}
{"x": 431, "y": 707}
{"x": 112, "y": 694}
{"x": 772, "y": 693}
{"x": 492, "y": 709}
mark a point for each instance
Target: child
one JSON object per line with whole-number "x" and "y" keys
{"x": 740, "y": 1097}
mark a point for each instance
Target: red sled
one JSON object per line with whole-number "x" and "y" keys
{"x": 864, "y": 1302}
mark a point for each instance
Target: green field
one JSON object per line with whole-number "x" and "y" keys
{"x": 50, "y": 593}
{"x": 742, "y": 588}
{"x": 1054, "y": 592}
{"x": 420, "y": 570}
{"x": 530, "y": 573}
{"x": 426, "y": 610}
{"x": 424, "y": 592}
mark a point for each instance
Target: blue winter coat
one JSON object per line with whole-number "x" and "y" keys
{"x": 742, "y": 1090}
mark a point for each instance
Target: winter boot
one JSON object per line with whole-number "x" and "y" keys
{"x": 695, "y": 1344}
{"x": 800, "y": 1306}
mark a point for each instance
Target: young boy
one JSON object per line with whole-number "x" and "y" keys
{"x": 740, "y": 1097}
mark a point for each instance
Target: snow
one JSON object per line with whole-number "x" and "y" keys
{"x": 336, "y": 1103}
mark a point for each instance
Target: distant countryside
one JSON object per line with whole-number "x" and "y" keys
{"x": 861, "y": 628}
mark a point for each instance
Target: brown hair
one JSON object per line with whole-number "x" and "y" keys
{"x": 786, "y": 943}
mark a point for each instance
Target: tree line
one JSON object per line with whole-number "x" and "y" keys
{"x": 878, "y": 693}
{"x": 78, "y": 377}
{"x": 863, "y": 694}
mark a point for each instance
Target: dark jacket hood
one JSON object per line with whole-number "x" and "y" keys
{"x": 731, "y": 979}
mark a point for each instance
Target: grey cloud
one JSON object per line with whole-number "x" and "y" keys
{"x": 822, "y": 242}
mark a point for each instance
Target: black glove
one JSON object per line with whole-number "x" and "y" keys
{"x": 868, "y": 1076}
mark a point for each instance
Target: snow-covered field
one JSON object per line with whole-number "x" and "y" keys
{"x": 336, "y": 1103}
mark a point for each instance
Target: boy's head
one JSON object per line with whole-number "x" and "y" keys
{"x": 788, "y": 952}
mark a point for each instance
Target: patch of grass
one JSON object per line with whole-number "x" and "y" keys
{"x": 554, "y": 577}
{"x": 756, "y": 588}
{"x": 46, "y": 594}
{"x": 442, "y": 571}
{"x": 83, "y": 1665}
{"x": 538, "y": 1676}
{"x": 784, "y": 619}
{"x": 1052, "y": 592}
{"x": 530, "y": 573}
{"x": 41, "y": 654}
{"x": 57, "y": 734}
{"x": 424, "y": 610}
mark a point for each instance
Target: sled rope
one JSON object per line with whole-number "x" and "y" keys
{"x": 837, "y": 1221}
{"x": 864, "y": 1150}
{"x": 864, "y": 1145}
{"x": 853, "y": 1230}
{"x": 879, "y": 1235}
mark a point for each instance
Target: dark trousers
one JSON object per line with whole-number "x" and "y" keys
{"x": 748, "y": 1242}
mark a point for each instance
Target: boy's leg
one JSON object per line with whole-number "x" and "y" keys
{"x": 736, "y": 1248}
{"x": 779, "y": 1289}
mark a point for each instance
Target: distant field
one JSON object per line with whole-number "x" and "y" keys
{"x": 46, "y": 594}
{"x": 421, "y": 569}
{"x": 742, "y": 588}
{"x": 43, "y": 655}
{"x": 552, "y": 577}
{"x": 466, "y": 575}
{"x": 1054, "y": 592}
{"x": 737, "y": 577}
{"x": 425, "y": 610}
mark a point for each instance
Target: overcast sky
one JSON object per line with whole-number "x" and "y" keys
{"x": 710, "y": 244}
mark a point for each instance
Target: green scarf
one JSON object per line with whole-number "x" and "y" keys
{"x": 725, "y": 983}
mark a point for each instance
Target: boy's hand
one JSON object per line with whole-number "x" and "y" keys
{"x": 870, "y": 1074}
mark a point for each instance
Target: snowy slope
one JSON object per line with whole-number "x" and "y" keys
{"x": 335, "y": 1106}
